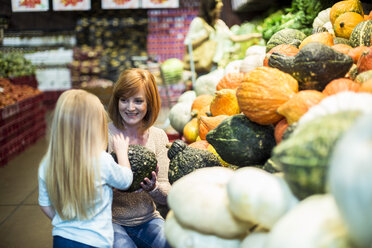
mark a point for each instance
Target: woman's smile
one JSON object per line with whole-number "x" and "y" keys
{"x": 133, "y": 109}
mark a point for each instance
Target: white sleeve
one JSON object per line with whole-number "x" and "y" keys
{"x": 196, "y": 30}
{"x": 115, "y": 175}
{"x": 43, "y": 193}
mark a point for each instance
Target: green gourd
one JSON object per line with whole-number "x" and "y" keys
{"x": 285, "y": 36}
{"x": 361, "y": 34}
{"x": 185, "y": 159}
{"x": 364, "y": 76}
{"x": 340, "y": 40}
{"x": 314, "y": 66}
{"x": 142, "y": 162}
{"x": 242, "y": 142}
{"x": 304, "y": 155}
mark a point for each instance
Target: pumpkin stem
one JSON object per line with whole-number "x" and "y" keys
{"x": 342, "y": 24}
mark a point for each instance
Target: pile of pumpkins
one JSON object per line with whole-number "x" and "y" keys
{"x": 292, "y": 80}
{"x": 280, "y": 82}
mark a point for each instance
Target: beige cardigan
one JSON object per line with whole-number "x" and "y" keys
{"x": 132, "y": 209}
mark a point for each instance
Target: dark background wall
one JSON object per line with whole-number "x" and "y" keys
{"x": 50, "y": 21}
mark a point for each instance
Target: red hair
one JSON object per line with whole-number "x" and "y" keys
{"x": 129, "y": 83}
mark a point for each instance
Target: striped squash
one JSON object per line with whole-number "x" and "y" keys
{"x": 361, "y": 34}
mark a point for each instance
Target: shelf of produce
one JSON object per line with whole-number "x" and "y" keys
{"x": 20, "y": 107}
{"x": 22, "y": 141}
{"x": 23, "y": 121}
{"x": 25, "y": 80}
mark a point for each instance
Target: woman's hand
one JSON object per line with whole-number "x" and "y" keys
{"x": 149, "y": 185}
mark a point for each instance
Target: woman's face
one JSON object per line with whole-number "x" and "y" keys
{"x": 133, "y": 109}
{"x": 218, "y": 8}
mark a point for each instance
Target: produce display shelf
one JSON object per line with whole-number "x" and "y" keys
{"x": 20, "y": 106}
{"x": 51, "y": 97}
{"x": 17, "y": 126}
{"x": 25, "y": 80}
{"x": 21, "y": 142}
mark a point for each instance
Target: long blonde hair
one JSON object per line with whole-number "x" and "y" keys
{"x": 78, "y": 135}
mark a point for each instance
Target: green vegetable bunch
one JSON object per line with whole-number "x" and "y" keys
{"x": 15, "y": 65}
{"x": 299, "y": 16}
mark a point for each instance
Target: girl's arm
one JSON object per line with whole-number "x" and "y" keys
{"x": 48, "y": 211}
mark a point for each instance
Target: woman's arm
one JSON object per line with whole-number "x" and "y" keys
{"x": 48, "y": 211}
{"x": 245, "y": 37}
{"x": 160, "y": 192}
{"x": 197, "y": 33}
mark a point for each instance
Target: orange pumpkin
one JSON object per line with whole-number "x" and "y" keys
{"x": 340, "y": 84}
{"x": 208, "y": 123}
{"x": 285, "y": 49}
{"x": 342, "y": 48}
{"x": 279, "y": 130}
{"x": 200, "y": 102}
{"x": 345, "y": 6}
{"x": 366, "y": 86}
{"x": 365, "y": 61}
{"x": 223, "y": 162}
{"x": 190, "y": 130}
{"x": 356, "y": 52}
{"x": 205, "y": 111}
{"x": 263, "y": 91}
{"x": 299, "y": 104}
{"x": 325, "y": 38}
{"x": 345, "y": 24}
{"x": 231, "y": 80}
{"x": 200, "y": 144}
{"x": 368, "y": 17}
{"x": 224, "y": 103}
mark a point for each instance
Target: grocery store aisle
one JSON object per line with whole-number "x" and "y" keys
{"x": 22, "y": 224}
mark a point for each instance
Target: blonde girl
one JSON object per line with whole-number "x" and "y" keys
{"x": 76, "y": 174}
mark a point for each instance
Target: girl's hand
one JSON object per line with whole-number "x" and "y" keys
{"x": 121, "y": 146}
{"x": 149, "y": 185}
{"x": 120, "y": 143}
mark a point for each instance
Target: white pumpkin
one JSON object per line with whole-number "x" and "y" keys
{"x": 181, "y": 237}
{"x": 206, "y": 84}
{"x": 187, "y": 96}
{"x": 180, "y": 115}
{"x": 251, "y": 62}
{"x": 329, "y": 27}
{"x": 322, "y": 18}
{"x": 314, "y": 223}
{"x": 342, "y": 101}
{"x": 199, "y": 202}
{"x": 350, "y": 179}
{"x": 256, "y": 50}
{"x": 254, "y": 240}
{"x": 258, "y": 196}
{"x": 233, "y": 66}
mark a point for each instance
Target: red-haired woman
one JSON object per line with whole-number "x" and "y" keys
{"x": 133, "y": 109}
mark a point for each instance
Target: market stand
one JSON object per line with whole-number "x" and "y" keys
{"x": 283, "y": 127}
